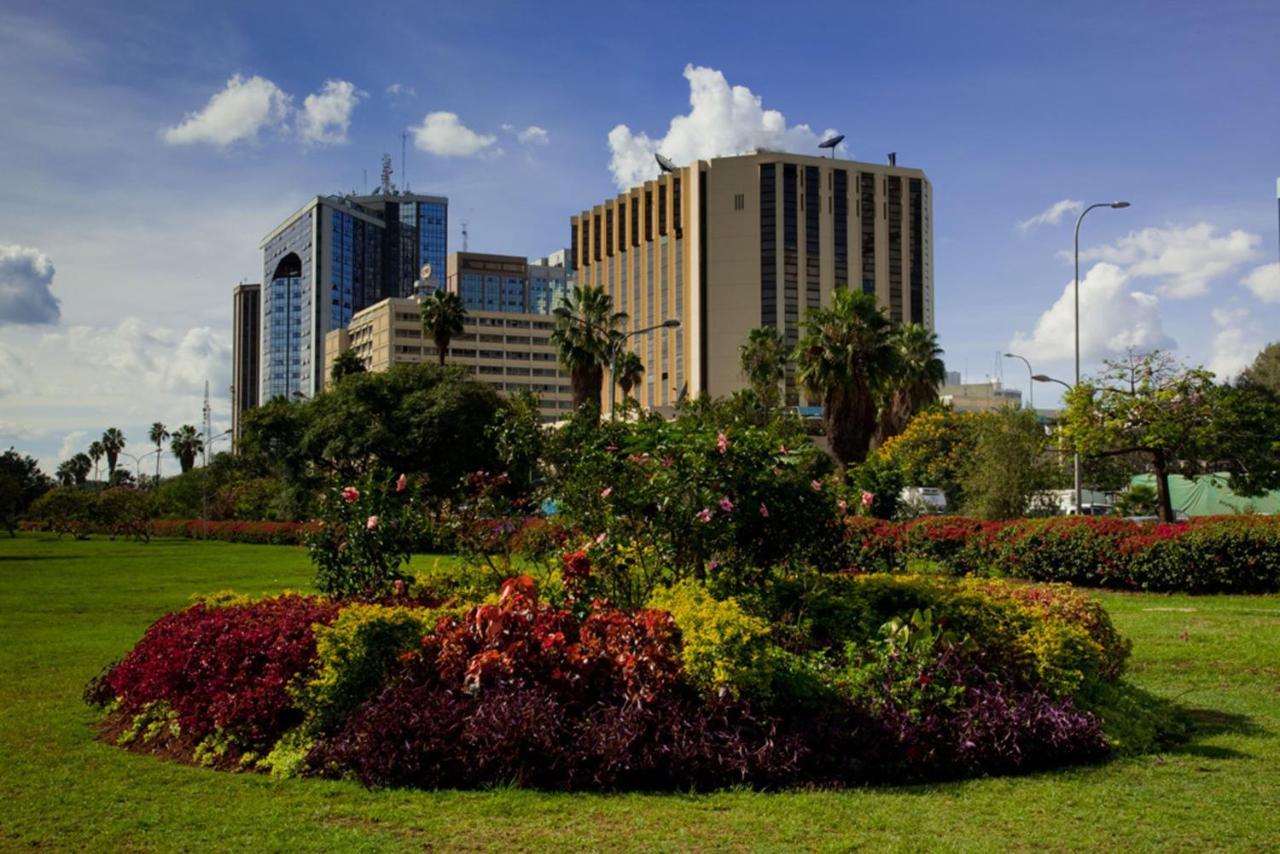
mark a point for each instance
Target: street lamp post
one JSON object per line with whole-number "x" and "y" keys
{"x": 618, "y": 345}
{"x": 1079, "y": 220}
{"x": 1031, "y": 389}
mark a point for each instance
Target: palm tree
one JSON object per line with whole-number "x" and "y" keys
{"x": 187, "y": 442}
{"x": 95, "y": 453}
{"x": 587, "y": 331}
{"x": 113, "y": 443}
{"x": 158, "y": 434}
{"x": 764, "y": 360}
{"x": 629, "y": 369}
{"x": 66, "y": 473}
{"x": 917, "y": 374}
{"x": 846, "y": 354}
{"x": 345, "y": 364}
{"x": 442, "y": 317}
{"x": 80, "y": 466}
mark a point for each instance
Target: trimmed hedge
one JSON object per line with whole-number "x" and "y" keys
{"x": 1222, "y": 554}
{"x": 261, "y": 533}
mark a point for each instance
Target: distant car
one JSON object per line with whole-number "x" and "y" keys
{"x": 924, "y": 499}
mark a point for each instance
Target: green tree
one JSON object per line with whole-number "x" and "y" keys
{"x": 1007, "y": 464}
{"x": 74, "y": 470}
{"x": 630, "y": 371}
{"x": 1265, "y": 370}
{"x": 157, "y": 434}
{"x": 1245, "y": 441}
{"x": 186, "y": 444}
{"x": 587, "y": 330}
{"x": 21, "y": 483}
{"x": 519, "y": 439}
{"x": 96, "y": 452}
{"x": 1149, "y": 406}
{"x": 345, "y": 364}
{"x": 1137, "y": 500}
{"x": 918, "y": 371}
{"x": 846, "y": 354}
{"x": 933, "y": 451}
{"x": 411, "y": 418}
{"x": 113, "y": 443}
{"x": 442, "y": 319}
{"x": 764, "y": 360}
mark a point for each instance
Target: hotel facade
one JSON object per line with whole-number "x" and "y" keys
{"x": 734, "y": 243}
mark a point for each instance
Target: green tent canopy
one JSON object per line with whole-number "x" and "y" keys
{"x": 1210, "y": 495}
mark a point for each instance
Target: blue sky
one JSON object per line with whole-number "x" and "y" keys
{"x": 137, "y": 207}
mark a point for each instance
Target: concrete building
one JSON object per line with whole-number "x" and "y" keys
{"x": 328, "y": 260}
{"x": 979, "y": 397}
{"x": 507, "y": 283}
{"x": 734, "y": 243}
{"x": 246, "y": 340}
{"x": 509, "y": 350}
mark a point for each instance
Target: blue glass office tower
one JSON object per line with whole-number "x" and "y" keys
{"x": 331, "y": 258}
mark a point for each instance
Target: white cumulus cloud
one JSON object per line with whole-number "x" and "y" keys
{"x": 397, "y": 89}
{"x": 1264, "y": 281}
{"x": 1051, "y": 215}
{"x": 1113, "y": 318}
{"x": 1236, "y": 342}
{"x": 1183, "y": 260}
{"x": 533, "y": 135}
{"x": 722, "y": 120}
{"x": 326, "y": 115}
{"x": 444, "y": 135}
{"x": 26, "y": 286}
{"x": 242, "y": 109}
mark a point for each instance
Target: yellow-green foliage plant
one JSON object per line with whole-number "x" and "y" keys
{"x": 355, "y": 654}
{"x": 724, "y": 649}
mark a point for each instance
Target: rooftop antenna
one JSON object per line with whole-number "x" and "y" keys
{"x": 464, "y": 235}
{"x": 831, "y": 142}
{"x": 404, "y": 175}
{"x": 386, "y": 174}
{"x": 893, "y": 158}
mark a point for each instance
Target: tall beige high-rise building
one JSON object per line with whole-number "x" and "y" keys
{"x": 733, "y": 243}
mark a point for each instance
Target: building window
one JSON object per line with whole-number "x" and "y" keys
{"x": 790, "y": 273}
{"x": 740, "y": 200}
{"x": 916, "y": 211}
{"x": 867, "y": 203}
{"x": 894, "y": 206}
{"x": 840, "y": 221}
{"x": 812, "y": 246}
{"x": 768, "y": 245}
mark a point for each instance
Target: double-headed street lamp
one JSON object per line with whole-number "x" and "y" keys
{"x": 1080, "y": 219}
{"x": 617, "y": 347}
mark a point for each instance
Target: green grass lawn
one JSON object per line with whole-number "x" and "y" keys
{"x": 68, "y": 608}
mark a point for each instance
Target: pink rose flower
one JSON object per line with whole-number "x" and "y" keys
{"x": 722, "y": 442}
{"x": 705, "y": 514}
{"x": 402, "y": 483}
{"x": 606, "y": 492}
{"x": 725, "y": 504}
{"x": 764, "y": 510}
{"x": 867, "y": 498}
{"x": 817, "y": 485}
{"x": 350, "y": 494}
{"x": 601, "y": 537}
{"x": 713, "y": 565}
{"x": 371, "y": 523}
{"x": 842, "y": 506}
{"x": 399, "y": 586}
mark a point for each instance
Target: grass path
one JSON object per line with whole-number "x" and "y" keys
{"x": 68, "y": 608}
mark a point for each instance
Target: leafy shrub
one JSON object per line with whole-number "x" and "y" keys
{"x": 225, "y": 668}
{"x": 355, "y": 653}
{"x": 127, "y": 512}
{"x": 724, "y": 650}
{"x": 367, "y": 533}
{"x": 66, "y": 510}
{"x": 258, "y": 533}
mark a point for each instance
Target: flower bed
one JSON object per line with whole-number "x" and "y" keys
{"x": 885, "y": 678}
{"x": 261, "y": 533}
{"x": 1224, "y": 554}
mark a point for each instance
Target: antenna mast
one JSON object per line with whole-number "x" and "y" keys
{"x": 464, "y": 235}
{"x": 386, "y": 175}
{"x": 208, "y": 423}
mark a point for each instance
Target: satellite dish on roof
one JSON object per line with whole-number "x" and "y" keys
{"x": 831, "y": 143}
{"x": 664, "y": 163}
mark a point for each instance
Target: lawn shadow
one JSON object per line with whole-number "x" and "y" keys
{"x": 4, "y": 558}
